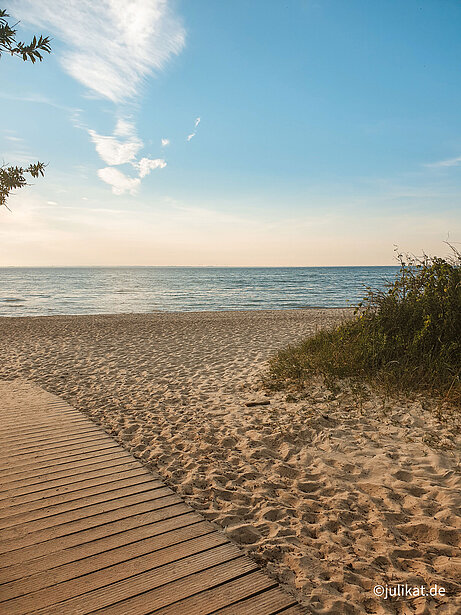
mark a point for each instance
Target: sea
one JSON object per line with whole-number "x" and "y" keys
{"x": 49, "y": 291}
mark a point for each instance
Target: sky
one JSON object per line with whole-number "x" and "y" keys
{"x": 262, "y": 133}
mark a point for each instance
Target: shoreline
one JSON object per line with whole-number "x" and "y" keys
{"x": 331, "y": 495}
{"x": 179, "y": 312}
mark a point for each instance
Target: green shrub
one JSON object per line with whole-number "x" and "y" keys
{"x": 407, "y": 337}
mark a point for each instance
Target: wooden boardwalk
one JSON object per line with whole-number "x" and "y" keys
{"x": 85, "y": 528}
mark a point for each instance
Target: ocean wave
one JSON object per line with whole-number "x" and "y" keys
{"x": 12, "y": 300}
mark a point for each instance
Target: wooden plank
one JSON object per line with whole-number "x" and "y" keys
{"x": 21, "y": 536}
{"x": 48, "y": 424}
{"x": 57, "y": 461}
{"x": 61, "y": 479}
{"x": 43, "y": 436}
{"x": 107, "y": 559}
{"x": 54, "y": 457}
{"x": 22, "y": 452}
{"x": 104, "y": 493}
{"x": 265, "y": 603}
{"x": 163, "y": 520}
{"x": 26, "y": 421}
{"x": 31, "y": 424}
{"x": 122, "y": 578}
{"x": 46, "y": 446}
{"x": 17, "y": 437}
{"x": 31, "y": 501}
{"x": 177, "y": 585}
{"x": 294, "y": 610}
{"x": 127, "y": 519}
{"x": 40, "y": 414}
{"x": 89, "y": 460}
{"x": 130, "y": 587}
{"x": 210, "y": 600}
{"x": 43, "y": 407}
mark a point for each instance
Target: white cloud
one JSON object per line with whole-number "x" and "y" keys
{"x": 113, "y": 151}
{"x": 165, "y": 142}
{"x": 120, "y": 182}
{"x": 146, "y": 165}
{"x": 51, "y": 203}
{"x": 124, "y": 128}
{"x": 38, "y": 99}
{"x": 112, "y": 45}
{"x": 124, "y": 150}
{"x": 192, "y": 134}
{"x": 451, "y": 162}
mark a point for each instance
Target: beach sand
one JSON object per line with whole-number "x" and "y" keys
{"x": 331, "y": 495}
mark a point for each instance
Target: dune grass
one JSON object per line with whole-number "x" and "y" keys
{"x": 406, "y": 338}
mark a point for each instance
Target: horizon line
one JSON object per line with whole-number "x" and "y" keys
{"x": 185, "y": 266}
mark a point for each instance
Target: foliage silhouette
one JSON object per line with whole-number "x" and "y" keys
{"x": 13, "y": 177}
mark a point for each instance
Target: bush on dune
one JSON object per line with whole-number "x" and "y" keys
{"x": 407, "y": 337}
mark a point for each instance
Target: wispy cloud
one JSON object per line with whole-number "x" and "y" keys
{"x": 120, "y": 182}
{"x": 14, "y": 139}
{"x": 125, "y": 128}
{"x": 146, "y": 165}
{"x": 121, "y": 151}
{"x": 112, "y": 150}
{"x": 112, "y": 45}
{"x": 17, "y": 151}
{"x": 39, "y": 99}
{"x": 194, "y": 132}
{"x": 451, "y": 162}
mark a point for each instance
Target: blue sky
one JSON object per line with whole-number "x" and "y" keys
{"x": 294, "y": 133}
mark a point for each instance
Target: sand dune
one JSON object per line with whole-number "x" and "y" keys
{"x": 332, "y": 495}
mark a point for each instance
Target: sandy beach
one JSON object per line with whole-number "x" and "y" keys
{"x": 331, "y": 494}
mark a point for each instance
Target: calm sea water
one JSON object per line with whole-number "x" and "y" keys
{"x": 104, "y": 290}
